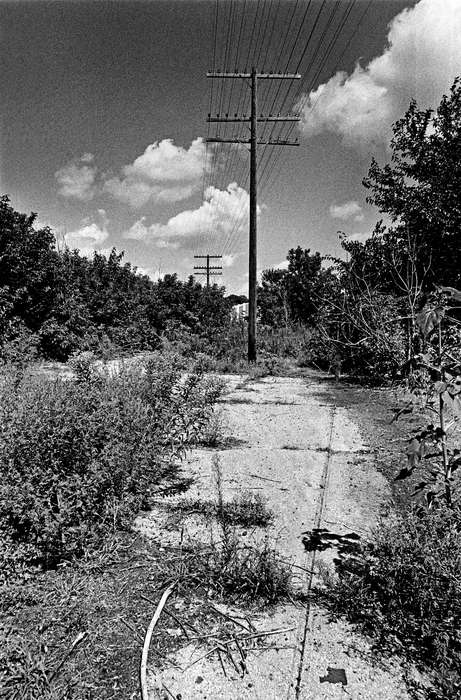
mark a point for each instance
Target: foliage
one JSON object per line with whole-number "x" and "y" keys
{"x": 420, "y": 189}
{"x": 73, "y": 304}
{"x": 287, "y": 297}
{"x": 404, "y": 587}
{"x": 438, "y": 383}
{"x": 79, "y": 458}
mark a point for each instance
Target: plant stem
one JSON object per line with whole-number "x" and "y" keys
{"x": 446, "y": 466}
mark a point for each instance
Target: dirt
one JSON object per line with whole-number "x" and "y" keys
{"x": 312, "y": 449}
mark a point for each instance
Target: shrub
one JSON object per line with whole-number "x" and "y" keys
{"x": 405, "y": 588}
{"x": 79, "y": 458}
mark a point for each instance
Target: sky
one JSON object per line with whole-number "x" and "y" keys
{"x": 104, "y": 107}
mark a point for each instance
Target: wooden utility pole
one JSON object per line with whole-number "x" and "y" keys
{"x": 253, "y": 142}
{"x": 208, "y": 270}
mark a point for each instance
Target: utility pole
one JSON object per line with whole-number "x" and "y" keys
{"x": 253, "y": 142}
{"x": 209, "y": 269}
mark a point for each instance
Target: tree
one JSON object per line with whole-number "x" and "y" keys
{"x": 305, "y": 282}
{"x": 28, "y": 267}
{"x": 421, "y": 188}
{"x": 273, "y": 306}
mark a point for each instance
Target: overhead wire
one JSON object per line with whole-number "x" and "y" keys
{"x": 271, "y": 163}
{"x": 326, "y": 55}
{"x": 279, "y": 95}
{"x": 316, "y": 77}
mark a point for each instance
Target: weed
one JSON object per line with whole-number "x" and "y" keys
{"x": 78, "y": 459}
{"x": 244, "y": 510}
{"x": 247, "y": 509}
{"x": 404, "y": 587}
{"x": 214, "y": 433}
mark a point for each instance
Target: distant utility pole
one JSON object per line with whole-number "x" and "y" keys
{"x": 253, "y": 142}
{"x": 209, "y": 270}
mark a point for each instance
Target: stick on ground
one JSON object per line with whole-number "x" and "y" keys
{"x": 148, "y": 637}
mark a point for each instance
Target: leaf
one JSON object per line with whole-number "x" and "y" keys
{"x": 454, "y": 293}
{"x": 440, "y": 387}
{"x": 428, "y": 319}
{"x": 454, "y": 387}
{"x": 419, "y": 487}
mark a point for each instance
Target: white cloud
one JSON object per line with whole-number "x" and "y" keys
{"x": 348, "y": 210}
{"x": 222, "y": 212}
{"x": 149, "y": 272}
{"x": 422, "y": 57}
{"x": 76, "y": 180}
{"x": 282, "y": 265}
{"x": 90, "y": 236}
{"x": 163, "y": 173}
{"x": 360, "y": 237}
{"x": 228, "y": 260}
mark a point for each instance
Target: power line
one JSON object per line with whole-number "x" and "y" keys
{"x": 253, "y": 142}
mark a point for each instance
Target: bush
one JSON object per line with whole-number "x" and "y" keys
{"x": 79, "y": 458}
{"x": 405, "y": 588}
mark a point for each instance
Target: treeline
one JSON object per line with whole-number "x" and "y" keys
{"x": 60, "y": 302}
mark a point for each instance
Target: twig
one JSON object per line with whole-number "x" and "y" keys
{"x": 79, "y": 638}
{"x": 168, "y": 691}
{"x": 221, "y": 662}
{"x": 265, "y": 478}
{"x": 211, "y": 651}
{"x": 231, "y": 619}
{"x": 130, "y": 627}
{"x": 177, "y": 620}
{"x": 145, "y": 649}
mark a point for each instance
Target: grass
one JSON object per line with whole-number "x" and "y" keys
{"x": 404, "y": 588}
{"x": 246, "y": 509}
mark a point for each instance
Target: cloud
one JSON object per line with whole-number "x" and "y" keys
{"x": 163, "y": 173}
{"x": 359, "y": 237}
{"x": 90, "y": 236}
{"x": 348, "y": 210}
{"x": 223, "y": 212}
{"x": 76, "y": 180}
{"x": 420, "y": 61}
{"x": 229, "y": 260}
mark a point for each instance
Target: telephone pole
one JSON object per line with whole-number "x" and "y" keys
{"x": 210, "y": 270}
{"x": 253, "y": 142}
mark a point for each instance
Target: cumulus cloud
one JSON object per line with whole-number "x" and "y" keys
{"x": 76, "y": 180}
{"x": 420, "y": 61}
{"x": 346, "y": 211}
{"x": 222, "y": 211}
{"x": 89, "y": 236}
{"x": 163, "y": 173}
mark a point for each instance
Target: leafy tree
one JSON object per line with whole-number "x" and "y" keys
{"x": 28, "y": 268}
{"x": 273, "y": 303}
{"x": 421, "y": 188}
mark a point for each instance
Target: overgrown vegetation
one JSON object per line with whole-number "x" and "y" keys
{"x": 404, "y": 588}
{"x": 78, "y": 459}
